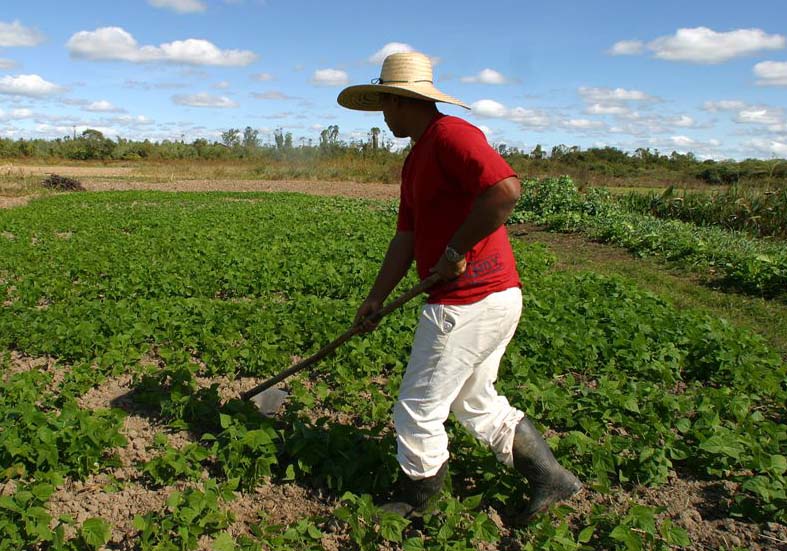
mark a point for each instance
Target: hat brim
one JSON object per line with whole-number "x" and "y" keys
{"x": 367, "y": 97}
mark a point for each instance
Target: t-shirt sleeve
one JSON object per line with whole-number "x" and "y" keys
{"x": 469, "y": 160}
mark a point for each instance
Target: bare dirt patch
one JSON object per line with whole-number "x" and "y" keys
{"x": 82, "y": 500}
{"x": 10, "y": 202}
{"x": 346, "y": 189}
{"x": 321, "y": 188}
{"x": 563, "y": 242}
{"x": 120, "y": 494}
{"x": 22, "y": 171}
{"x": 21, "y": 363}
{"x": 229, "y": 388}
{"x": 140, "y": 427}
{"x": 278, "y": 504}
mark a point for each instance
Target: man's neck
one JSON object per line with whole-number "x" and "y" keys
{"x": 421, "y": 121}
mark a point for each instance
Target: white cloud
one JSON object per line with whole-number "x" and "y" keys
{"x": 620, "y": 103}
{"x": 772, "y": 118}
{"x": 487, "y": 108}
{"x": 262, "y": 77}
{"x": 223, "y": 85}
{"x": 330, "y": 77}
{"x": 486, "y": 76}
{"x": 528, "y": 117}
{"x": 204, "y": 100}
{"x": 760, "y": 115}
{"x": 683, "y": 121}
{"x": 704, "y": 45}
{"x": 6, "y": 64}
{"x": 272, "y": 95}
{"x": 771, "y": 73}
{"x": 710, "y": 149}
{"x": 28, "y": 85}
{"x": 610, "y": 95}
{"x": 602, "y": 109}
{"x": 15, "y": 114}
{"x": 627, "y": 47}
{"x": 682, "y": 141}
{"x": 102, "y": 106}
{"x": 131, "y": 120}
{"x": 391, "y": 48}
{"x": 637, "y": 124}
{"x": 614, "y": 101}
{"x": 770, "y": 147}
{"x": 115, "y": 43}
{"x": 180, "y": 6}
{"x": 724, "y": 105}
{"x": 136, "y": 84}
{"x": 15, "y": 35}
{"x": 582, "y": 124}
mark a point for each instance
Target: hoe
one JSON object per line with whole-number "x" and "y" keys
{"x": 268, "y": 399}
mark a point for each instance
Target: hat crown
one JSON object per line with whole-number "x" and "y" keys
{"x": 406, "y": 67}
{"x": 407, "y": 74}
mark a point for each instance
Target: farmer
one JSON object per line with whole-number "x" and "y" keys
{"x": 456, "y": 195}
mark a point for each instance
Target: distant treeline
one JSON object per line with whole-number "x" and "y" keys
{"x": 379, "y": 161}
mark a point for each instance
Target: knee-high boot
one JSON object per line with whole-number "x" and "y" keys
{"x": 415, "y": 496}
{"x": 549, "y": 481}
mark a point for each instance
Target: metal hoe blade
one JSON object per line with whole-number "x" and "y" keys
{"x": 269, "y": 401}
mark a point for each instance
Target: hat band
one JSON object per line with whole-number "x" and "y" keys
{"x": 381, "y": 81}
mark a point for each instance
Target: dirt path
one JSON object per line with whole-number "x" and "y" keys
{"x": 322, "y": 188}
{"x": 9, "y": 202}
{"x": 346, "y": 189}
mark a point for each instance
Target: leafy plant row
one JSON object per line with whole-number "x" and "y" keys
{"x": 751, "y": 265}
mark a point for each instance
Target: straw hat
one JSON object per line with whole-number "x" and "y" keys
{"x": 403, "y": 74}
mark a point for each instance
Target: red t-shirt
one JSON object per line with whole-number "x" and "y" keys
{"x": 447, "y": 168}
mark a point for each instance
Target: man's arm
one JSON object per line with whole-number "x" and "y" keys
{"x": 394, "y": 267}
{"x": 490, "y": 210}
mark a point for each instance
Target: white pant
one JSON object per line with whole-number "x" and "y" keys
{"x": 453, "y": 366}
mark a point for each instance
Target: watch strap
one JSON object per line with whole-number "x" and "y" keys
{"x": 453, "y": 255}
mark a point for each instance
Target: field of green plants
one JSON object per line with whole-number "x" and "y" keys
{"x": 735, "y": 259}
{"x": 673, "y": 418}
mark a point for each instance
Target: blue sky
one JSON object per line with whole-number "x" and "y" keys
{"x": 700, "y": 76}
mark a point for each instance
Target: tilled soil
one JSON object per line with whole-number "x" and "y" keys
{"x": 122, "y": 493}
{"x": 699, "y": 506}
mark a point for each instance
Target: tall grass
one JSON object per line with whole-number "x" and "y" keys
{"x": 760, "y": 213}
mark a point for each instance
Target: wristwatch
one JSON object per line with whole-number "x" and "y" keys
{"x": 453, "y": 255}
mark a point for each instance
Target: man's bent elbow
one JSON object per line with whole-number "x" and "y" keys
{"x": 513, "y": 188}
{"x": 511, "y": 191}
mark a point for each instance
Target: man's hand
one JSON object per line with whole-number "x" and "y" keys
{"x": 367, "y": 310}
{"x": 449, "y": 270}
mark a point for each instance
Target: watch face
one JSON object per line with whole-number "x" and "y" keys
{"x": 452, "y": 255}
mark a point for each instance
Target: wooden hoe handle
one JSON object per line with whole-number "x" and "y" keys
{"x": 423, "y": 286}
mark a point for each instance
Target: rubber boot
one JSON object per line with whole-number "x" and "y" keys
{"x": 416, "y": 496}
{"x": 549, "y": 482}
